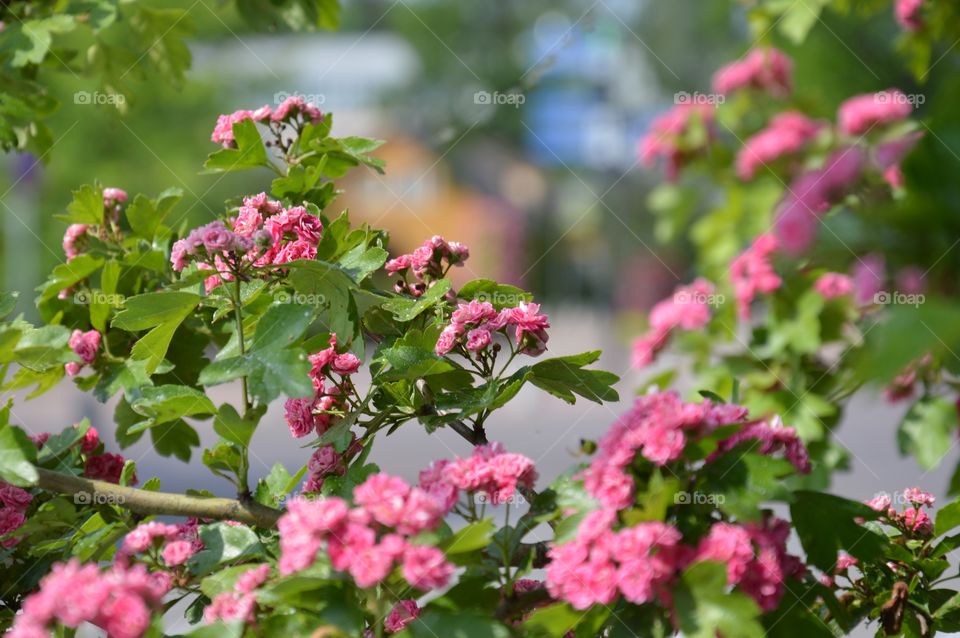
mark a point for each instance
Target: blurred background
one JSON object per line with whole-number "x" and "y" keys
{"x": 510, "y": 126}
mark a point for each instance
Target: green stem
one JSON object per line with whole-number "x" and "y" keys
{"x": 243, "y": 486}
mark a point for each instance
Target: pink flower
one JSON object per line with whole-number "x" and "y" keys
{"x": 112, "y": 196}
{"x": 105, "y": 467}
{"x": 14, "y": 497}
{"x": 916, "y": 521}
{"x": 299, "y": 416}
{"x": 216, "y": 237}
{"x": 687, "y": 309}
{"x": 832, "y": 285}
{"x": 402, "y": 614}
{"x": 325, "y": 461}
{"x": 295, "y": 105}
{"x": 666, "y": 137}
{"x": 426, "y": 567}
{"x": 844, "y": 562}
{"x": 248, "y": 221}
{"x": 447, "y": 340}
{"x": 907, "y": 13}
{"x": 728, "y": 544}
{"x": 787, "y": 134}
{"x": 478, "y": 339}
{"x": 869, "y": 273}
{"x": 72, "y": 238}
{"x": 345, "y": 364}
{"x": 531, "y": 327}
{"x": 252, "y": 579}
{"x": 177, "y": 552}
{"x": 433, "y": 482}
{"x": 223, "y": 131}
{"x": 763, "y": 69}
{"x": 491, "y": 471}
{"x": 861, "y": 113}
{"x": 230, "y": 606}
{"x": 85, "y": 345}
{"x": 880, "y": 502}
{"x": 398, "y": 264}
{"x": 918, "y": 497}
{"x": 294, "y": 250}
{"x": 303, "y": 529}
{"x": 771, "y": 437}
{"x": 140, "y": 538}
{"x": 473, "y": 313}
{"x": 384, "y": 497}
{"x": 752, "y": 273}
{"x": 90, "y": 441}
{"x": 10, "y": 521}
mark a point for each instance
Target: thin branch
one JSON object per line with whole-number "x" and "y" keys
{"x": 146, "y": 502}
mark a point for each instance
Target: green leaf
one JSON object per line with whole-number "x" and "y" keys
{"x": 269, "y": 373}
{"x": 271, "y": 490}
{"x": 165, "y": 403}
{"x": 566, "y": 376}
{"x": 146, "y": 215}
{"x": 223, "y": 457}
{"x": 232, "y": 427}
{"x": 470, "y": 538}
{"x": 17, "y": 456}
{"x": 407, "y": 309}
{"x": 249, "y": 152}
{"x": 456, "y": 624}
{"x": 30, "y": 40}
{"x": 826, "y": 525}
{"x": 705, "y": 608}
{"x": 361, "y": 262}
{"x": 948, "y": 518}
{"x": 69, "y": 274}
{"x": 224, "y": 544}
{"x": 217, "y": 629}
{"x": 281, "y": 325}
{"x": 928, "y": 430}
{"x": 175, "y": 438}
{"x": 162, "y": 311}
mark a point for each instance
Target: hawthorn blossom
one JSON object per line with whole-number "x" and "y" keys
{"x": 85, "y": 345}
{"x": 491, "y": 471}
{"x": 861, "y": 113}
{"x": 402, "y": 614}
{"x": 752, "y": 273}
{"x": 120, "y": 600}
{"x": 223, "y": 131}
{"x": 473, "y": 324}
{"x": 687, "y": 309}
{"x": 907, "y": 13}
{"x": 11, "y": 519}
{"x": 72, "y": 239}
{"x": 427, "y": 264}
{"x": 869, "y": 274}
{"x": 667, "y": 137}
{"x": 770, "y": 437}
{"x": 831, "y": 285}
{"x": 240, "y": 603}
{"x": 787, "y": 134}
{"x": 764, "y": 69}
{"x": 106, "y": 467}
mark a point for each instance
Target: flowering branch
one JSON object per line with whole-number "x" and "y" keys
{"x": 146, "y": 502}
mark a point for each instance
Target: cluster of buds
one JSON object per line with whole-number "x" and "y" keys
{"x": 426, "y": 265}
{"x": 913, "y": 520}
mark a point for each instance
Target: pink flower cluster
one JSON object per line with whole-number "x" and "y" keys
{"x": 638, "y": 562}
{"x": 641, "y": 562}
{"x": 752, "y": 273}
{"x": 770, "y": 437}
{"x": 13, "y": 506}
{"x": 106, "y": 467}
{"x": 667, "y": 137}
{"x": 756, "y": 557}
{"x": 75, "y": 235}
{"x": 473, "y": 324}
{"x": 85, "y": 345}
{"x": 368, "y": 539}
{"x": 73, "y": 240}
{"x": 120, "y": 600}
{"x": 687, "y": 309}
{"x": 428, "y": 263}
{"x": 788, "y": 133}
{"x": 490, "y": 470}
{"x": 763, "y": 69}
{"x": 178, "y": 542}
{"x": 287, "y": 113}
{"x": 861, "y": 113}
{"x": 907, "y": 13}
{"x": 658, "y": 427}
{"x": 832, "y": 285}
{"x": 913, "y": 520}
{"x": 240, "y": 603}
{"x": 263, "y": 234}
{"x": 402, "y": 614}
